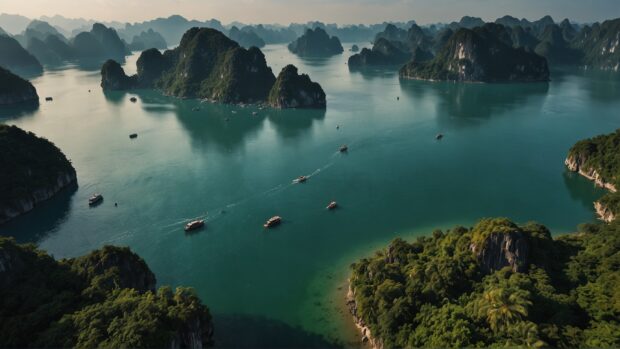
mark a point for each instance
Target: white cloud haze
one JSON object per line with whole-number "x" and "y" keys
{"x": 339, "y": 11}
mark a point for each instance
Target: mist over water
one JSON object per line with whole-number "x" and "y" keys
{"x": 502, "y": 155}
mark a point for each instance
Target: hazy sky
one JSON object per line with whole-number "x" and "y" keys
{"x": 340, "y": 11}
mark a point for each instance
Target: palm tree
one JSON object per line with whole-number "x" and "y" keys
{"x": 502, "y": 308}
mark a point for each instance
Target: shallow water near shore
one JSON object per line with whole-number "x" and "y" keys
{"x": 502, "y": 155}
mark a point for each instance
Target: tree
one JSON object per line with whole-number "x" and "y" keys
{"x": 503, "y": 308}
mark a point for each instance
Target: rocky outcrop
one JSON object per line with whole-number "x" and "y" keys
{"x": 483, "y": 54}
{"x": 15, "y": 90}
{"x": 113, "y": 77}
{"x": 383, "y": 52}
{"x": 603, "y": 212}
{"x": 147, "y": 40}
{"x": 15, "y": 58}
{"x": 364, "y": 330}
{"x": 210, "y": 66}
{"x": 355, "y": 48}
{"x": 502, "y": 249}
{"x": 115, "y": 267}
{"x": 575, "y": 163}
{"x": 316, "y": 43}
{"x": 292, "y": 90}
{"x": 34, "y": 170}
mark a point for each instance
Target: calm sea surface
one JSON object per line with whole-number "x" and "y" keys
{"x": 502, "y": 155}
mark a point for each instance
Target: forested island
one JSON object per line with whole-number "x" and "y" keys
{"x": 209, "y": 65}
{"x": 106, "y": 298}
{"x": 495, "y": 284}
{"x": 598, "y": 159}
{"x": 15, "y": 90}
{"x": 480, "y": 54}
{"x": 316, "y": 43}
{"x": 33, "y": 170}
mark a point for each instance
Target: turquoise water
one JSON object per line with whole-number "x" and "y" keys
{"x": 502, "y": 155}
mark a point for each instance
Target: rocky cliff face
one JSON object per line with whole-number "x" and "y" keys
{"x": 367, "y": 337}
{"x": 15, "y": 90}
{"x": 575, "y": 163}
{"x": 33, "y": 170}
{"x": 209, "y": 65}
{"x": 484, "y": 54}
{"x": 27, "y": 203}
{"x": 600, "y": 45}
{"x": 502, "y": 249}
{"x": 113, "y": 77}
{"x": 604, "y": 213}
{"x": 292, "y": 90}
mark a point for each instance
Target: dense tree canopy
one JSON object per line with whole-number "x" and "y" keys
{"x": 432, "y": 292}
{"x": 104, "y": 299}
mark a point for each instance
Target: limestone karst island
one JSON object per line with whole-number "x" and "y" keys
{"x": 345, "y": 174}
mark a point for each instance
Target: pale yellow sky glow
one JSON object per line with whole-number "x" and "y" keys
{"x": 340, "y": 11}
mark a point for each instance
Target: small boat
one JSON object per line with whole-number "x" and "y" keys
{"x": 344, "y": 148}
{"x": 439, "y": 136}
{"x": 95, "y": 199}
{"x": 193, "y": 225}
{"x": 133, "y": 99}
{"x": 301, "y": 179}
{"x": 273, "y": 221}
{"x": 398, "y": 98}
{"x": 49, "y": 99}
{"x": 332, "y": 205}
{"x": 133, "y": 135}
{"x": 254, "y": 113}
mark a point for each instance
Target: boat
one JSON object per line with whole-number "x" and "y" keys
{"x": 344, "y": 148}
{"x": 133, "y": 99}
{"x": 95, "y": 199}
{"x": 439, "y": 136}
{"x": 301, "y": 179}
{"x": 193, "y": 225}
{"x": 332, "y": 205}
{"x": 133, "y": 135}
{"x": 273, "y": 221}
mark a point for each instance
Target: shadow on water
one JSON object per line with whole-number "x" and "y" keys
{"x": 260, "y": 332}
{"x": 318, "y": 61}
{"x": 291, "y": 123}
{"x": 582, "y": 190}
{"x": 467, "y": 104}
{"x": 48, "y": 215}
{"x": 18, "y": 111}
{"x": 376, "y": 72}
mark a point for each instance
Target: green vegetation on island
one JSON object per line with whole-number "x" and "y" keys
{"x": 481, "y": 54}
{"x": 209, "y": 65}
{"x": 33, "y": 170}
{"x": 292, "y": 90}
{"x": 104, "y": 299}
{"x": 598, "y": 159}
{"x": 15, "y": 90}
{"x": 316, "y": 43}
{"x": 496, "y": 284}
{"x": 383, "y": 52}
